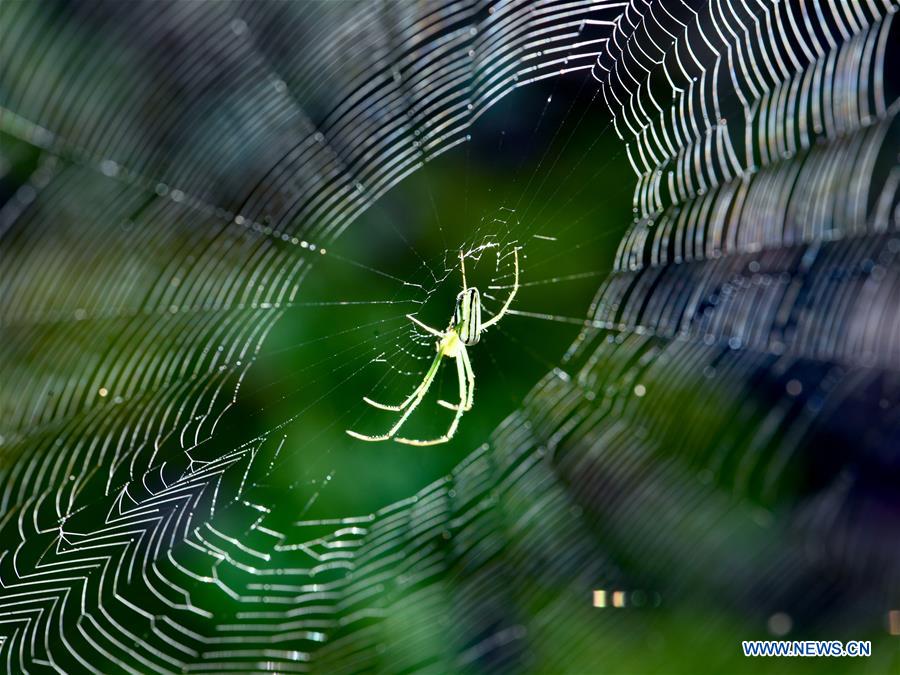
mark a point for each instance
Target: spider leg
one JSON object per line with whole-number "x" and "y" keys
{"x": 392, "y": 408}
{"x": 464, "y": 382}
{"x": 412, "y": 396}
{"x": 499, "y": 315}
{"x": 470, "y": 379}
{"x": 421, "y": 325}
{"x": 462, "y": 267}
{"x": 463, "y": 393}
{"x": 470, "y": 385}
{"x": 416, "y": 398}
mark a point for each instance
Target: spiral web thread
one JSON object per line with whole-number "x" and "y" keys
{"x": 762, "y": 257}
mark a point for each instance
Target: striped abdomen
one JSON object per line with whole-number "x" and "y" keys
{"x": 467, "y": 316}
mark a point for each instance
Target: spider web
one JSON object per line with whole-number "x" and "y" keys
{"x": 197, "y": 194}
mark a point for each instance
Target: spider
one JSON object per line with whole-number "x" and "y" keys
{"x": 464, "y": 330}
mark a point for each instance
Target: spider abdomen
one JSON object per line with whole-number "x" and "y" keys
{"x": 467, "y": 316}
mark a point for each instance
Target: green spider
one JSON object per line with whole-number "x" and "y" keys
{"x": 464, "y": 330}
